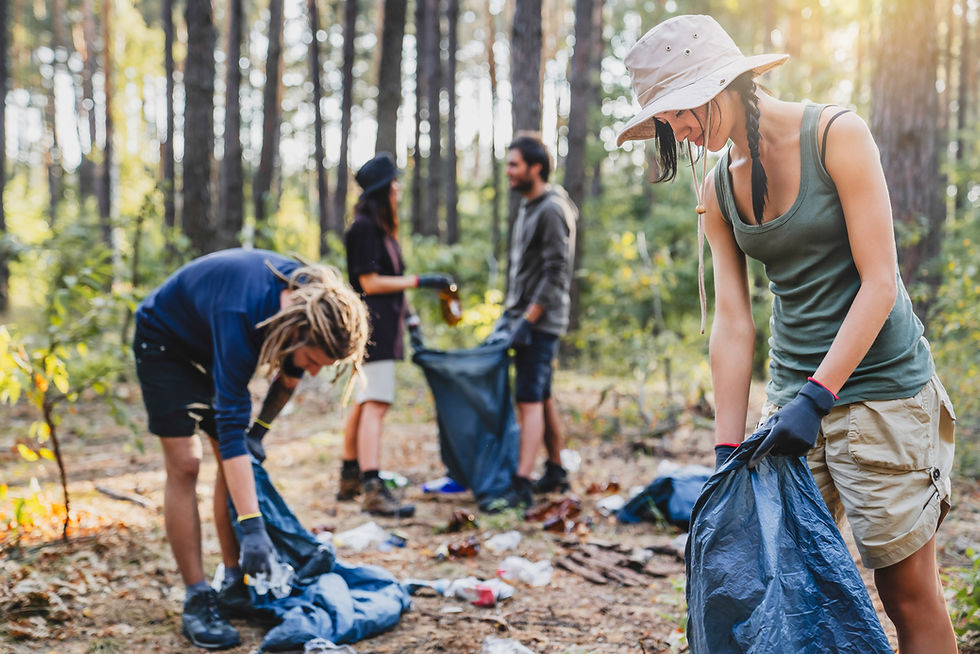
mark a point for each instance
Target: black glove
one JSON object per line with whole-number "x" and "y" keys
{"x": 722, "y": 452}
{"x": 796, "y": 425}
{"x": 256, "y": 548}
{"x": 438, "y": 281}
{"x": 521, "y": 336}
{"x": 253, "y": 440}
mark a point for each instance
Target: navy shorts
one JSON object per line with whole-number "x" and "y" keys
{"x": 177, "y": 392}
{"x": 532, "y": 364}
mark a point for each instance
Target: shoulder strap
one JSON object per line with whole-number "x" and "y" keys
{"x": 823, "y": 141}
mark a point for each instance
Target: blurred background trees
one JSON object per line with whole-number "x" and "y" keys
{"x": 142, "y": 128}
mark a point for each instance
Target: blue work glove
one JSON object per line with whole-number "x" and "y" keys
{"x": 437, "y": 281}
{"x": 253, "y": 440}
{"x": 722, "y": 452}
{"x": 521, "y": 336}
{"x": 796, "y": 425}
{"x": 256, "y": 549}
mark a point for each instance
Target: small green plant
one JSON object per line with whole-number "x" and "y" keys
{"x": 965, "y": 605}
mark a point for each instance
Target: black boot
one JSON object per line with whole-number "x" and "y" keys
{"x": 519, "y": 495}
{"x": 350, "y": 481}
{"x": 554, "y": 480}
{"x": 203, "y": 625}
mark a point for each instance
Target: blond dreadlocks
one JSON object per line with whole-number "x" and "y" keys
{"x": 323, "y": 312}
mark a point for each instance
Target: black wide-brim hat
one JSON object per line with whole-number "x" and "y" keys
{"x": 377, "y": 173}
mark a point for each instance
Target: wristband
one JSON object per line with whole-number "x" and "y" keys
{"x": 416, "y": 281}
{"x": 821, "y": 385}
{"x": 249, "y": 516}
{"x": 262, "y": 423}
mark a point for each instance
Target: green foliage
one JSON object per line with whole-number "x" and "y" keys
{"x": 965, "y": 605}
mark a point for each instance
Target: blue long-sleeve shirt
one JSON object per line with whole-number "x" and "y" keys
{"x": 207, "y": 311}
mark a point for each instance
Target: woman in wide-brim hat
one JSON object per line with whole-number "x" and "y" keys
{"x": 801, "y": 188}
{"x": 376, "y": 270}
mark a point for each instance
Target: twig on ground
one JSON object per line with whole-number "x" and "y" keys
{"x": 128, "y": 497}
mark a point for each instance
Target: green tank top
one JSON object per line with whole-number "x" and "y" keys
{"x": 813, "y": 280}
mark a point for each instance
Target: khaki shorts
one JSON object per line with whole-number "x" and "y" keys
{"x": 885, "y": 465}
{"x": 377, "y": 382}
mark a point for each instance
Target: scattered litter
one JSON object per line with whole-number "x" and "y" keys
{"x": 559, "y": 516}
{"x": 394, "y": 539}
{"x": 321, "y": 645}
{"x": 517, "y": 568}
{"x": 451, "y": 609}
{"x": 279, "y": 580}
{"x": 494, "y": 645}
{"x": 446, "y": 485}
{"x": 460, "y": 520}
{"x": 412, "y": 586}
{"x": 571, "y": 460}
{"x": 503, "y": 542}
{"x": 360, "y": 538}
{"x": 610, "y": 504}
{"x": 462, "y": 549}
{"x": 393, "y": 479}
{"x": 480, "y": 592}
{"x": 604, "y": 488}
{"x": 679, "y": 544}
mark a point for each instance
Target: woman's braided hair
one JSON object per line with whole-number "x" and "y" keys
{"x": 745, "y": 86}
{"x": 323, "y": 312}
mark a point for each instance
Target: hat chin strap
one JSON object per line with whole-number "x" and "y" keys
{"x": 699, "y": 192}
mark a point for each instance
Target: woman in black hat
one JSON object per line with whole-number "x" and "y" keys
{"x": 377, "y": 271}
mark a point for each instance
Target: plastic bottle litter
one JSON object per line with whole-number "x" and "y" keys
{"x": 479, "y": 592}
{"x": 610, "y": 504}
{"x": 321, "y": 645}
{"x": 360, "y": 538}
{"x": 503, "y": 542}
{"x": 517, "y": 568}
{"x": 571, "y": 460}
{"x": 393, "y": 479}
{"x": 412, "y": 586}
{"x": 444, "y": 485}
{"x": 279, "y": 581}
{"x": 494, "y": 645}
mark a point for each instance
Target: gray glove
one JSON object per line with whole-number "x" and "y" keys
{"x": 256, "y": 547}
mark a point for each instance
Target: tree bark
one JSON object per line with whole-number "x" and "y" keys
{"x": 198, "y": 125}
{"x": 4, "y": 255}
{"x": 598, "y": 50}
{"x": 494, "y": 165}
{"x": 433, "y": 72}
{"x": 262, "y": 183}
{"x": 231, "y": 203}
{"x": 169, "y": 175}
{"x": 104, "y": 192}
{"x": 390, "y": 75}
{"x": 86, "y": 169}
{"x": 421, "y": 86}
{"x": 903, "y": 120}
{"x": 346, "y": 103}
{"x": 452, "y": 182}
{"x": 52, "y": 157}
{"x": 964, "y": 101}
{"x": 323, "y": 215}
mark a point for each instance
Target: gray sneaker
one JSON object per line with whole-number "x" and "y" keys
{"x": 203, "y": 625}
{"x": 378, "y": 500}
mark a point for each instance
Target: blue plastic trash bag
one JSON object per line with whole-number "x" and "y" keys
{"x": 767, "y": 568}
{"x": 330, "y": 599}
{"x": 668, "y": 497}
{"x": 479, "y": 437}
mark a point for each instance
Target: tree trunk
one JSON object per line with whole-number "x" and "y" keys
{"x": 903, "y": 120}
{"x": 346, "y": 102}
{"x": 4, "y": 256}
{"x": 323, "y": 215}
{"x": 86, "y": 169}
{"x": 582, "y": 85}
{"x": 390, "y": 75}
{"x": 452, "y": 182}
{"x": 104, "y": 192}
{"x": 598, "y": 50}
{"x": 964, "y": 107}
{"x": 494, "y": 165}
{"x": 169, "y": 176}
{"x": 433, "y": 72}
{"x": 231, "y": 203}
{"x": 52, "y": 157}
{"x": 421, "y": 86}
{"x": 262, "y": 183}
{"x": 525, "y": 65}
{"x": 198, "y": 125}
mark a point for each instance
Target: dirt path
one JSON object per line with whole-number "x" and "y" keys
{"x": 118, "y": 591}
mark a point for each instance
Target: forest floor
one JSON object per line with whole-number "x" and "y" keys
{"x": 114, "y": 587}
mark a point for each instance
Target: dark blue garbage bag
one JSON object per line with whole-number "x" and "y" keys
{"x": 330, "y": 599}
{"x": 767, "y": 569}
{"x": 669, "y": 497}
{"x": 479, "y": 437}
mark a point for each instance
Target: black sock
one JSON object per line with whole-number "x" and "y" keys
{"x": 369, "y": 474}
{"x": 350, "y": 465}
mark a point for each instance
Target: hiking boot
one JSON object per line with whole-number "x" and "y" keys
{"x": 203, "y": 625}
{"x": 234, "y": 602}
{"x": 350, "y": 482}
{"x": 378, "y": 500}
{"x": 554, "y": 480}
{"x": 518, "y": 496}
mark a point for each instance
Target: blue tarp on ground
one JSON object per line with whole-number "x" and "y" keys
{"x": 479, "y": 438}
{"x": 767, "y": 569}
{"x": 669, "y": 497}
{"x": 330, "y": 599}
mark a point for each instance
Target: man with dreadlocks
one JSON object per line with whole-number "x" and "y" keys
{"x": 199, "y": 339}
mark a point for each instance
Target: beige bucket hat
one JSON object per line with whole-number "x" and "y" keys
{"x": 682, "y": 63}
